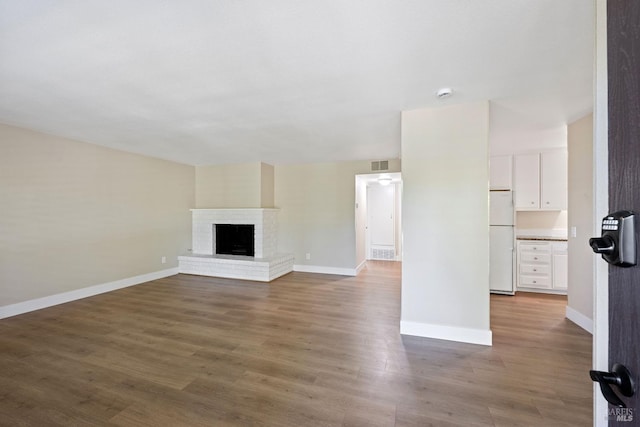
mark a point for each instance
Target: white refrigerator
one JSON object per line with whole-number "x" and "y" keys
{"x": 501, "y": 242}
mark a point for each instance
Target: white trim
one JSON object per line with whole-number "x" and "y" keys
{"x": 324, "y": 270}
{"x": 580, "y": 319}
{"x": 450, "y": 333}
{"x": 600, "y": 209}
{"x": 360, "y": 266}
{"x": 51, "y": 300}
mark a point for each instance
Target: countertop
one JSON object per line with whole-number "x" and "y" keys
{"x": 556, "y": 235}
{"x": 550, "y": 238}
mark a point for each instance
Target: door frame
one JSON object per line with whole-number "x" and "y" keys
{"x": 600, "y": 209}
{"x": 395, "y": 220}
{"x": 362, "y": 233}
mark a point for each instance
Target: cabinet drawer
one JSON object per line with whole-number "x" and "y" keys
{"x": 534, "y": 269}
{"x": 535, "y": 258}
{"x": 535, "y": 247}
{"x": 535, "y": 281}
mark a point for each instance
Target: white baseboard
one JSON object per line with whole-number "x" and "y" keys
{"x": 360, "y": 266}
{"x": 325, "y": 270}
{"x": 449, "y": 333}
{"x": 580, "y": 319}
{"x": 51, "y": 300}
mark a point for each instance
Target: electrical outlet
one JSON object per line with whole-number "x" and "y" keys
{"x": 163, "y": 260}
{"x": 308, "y": 256}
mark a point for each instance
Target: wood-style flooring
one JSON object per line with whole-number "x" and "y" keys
{"x": 304, "y": 350}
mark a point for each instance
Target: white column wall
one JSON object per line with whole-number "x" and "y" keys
{"x": 445, "y": 271}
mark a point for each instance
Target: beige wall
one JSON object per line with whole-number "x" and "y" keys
{"x": 317, "y": 211}
{"x": 267, "y": 190}
{"x": 546, "y": 220}
{"x": 581, "y": 258}
{"x": 445, "y": 269}
{"x": 361, "y": 220}
{"x": 75, "y": 215}
{"x": 241, "y": 185}
{"x": 228, "y": 186}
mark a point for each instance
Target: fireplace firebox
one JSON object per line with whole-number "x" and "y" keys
{"x": 235, "y": 239}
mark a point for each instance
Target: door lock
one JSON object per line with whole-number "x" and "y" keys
{"x": 619, "y": 377}
{"x": 618, "y": 242}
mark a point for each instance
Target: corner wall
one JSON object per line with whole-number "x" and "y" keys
{"x": 581, "y": 257}
{"x": 445, "y": 269}
{"x": 267, "y": 185}
{"x": 76, "y": 215}
{"x": 317, "y": 213}
{"x": 361, "y": 220}
{"x": 228, "y": 186}
{"x": 238, "y": 185}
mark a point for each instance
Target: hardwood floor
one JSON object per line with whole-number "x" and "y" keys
{"x": 304, "y": 350}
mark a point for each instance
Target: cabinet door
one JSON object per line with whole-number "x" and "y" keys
{"x": 527, "y": 181}
{"x": 501, "y": 259}
{"x": 560, "y": 271}
{"x": 500, "y": 172}
{"x": 553, "y": 180}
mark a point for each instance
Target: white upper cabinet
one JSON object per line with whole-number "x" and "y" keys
{"x": 527, "y": 181}
{"x": 553, "y": 180}
{"x": 500, "y": 172}
{"x": 540, "y": 181}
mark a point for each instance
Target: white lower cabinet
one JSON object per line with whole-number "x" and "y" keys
{"x": 560, "y": 265}
{"x": 542, "y": 265}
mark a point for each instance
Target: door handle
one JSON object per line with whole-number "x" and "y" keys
{"x": 602, "y": 245}
{"x": 619, "y": 377}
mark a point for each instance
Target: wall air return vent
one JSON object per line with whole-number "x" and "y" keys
{"x": 381, "y": 165}
{"x": 383, "y": 254}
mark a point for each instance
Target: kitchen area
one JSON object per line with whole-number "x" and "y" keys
{"x": 528, "y": 222}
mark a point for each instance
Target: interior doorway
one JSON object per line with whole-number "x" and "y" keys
{"x": 378, "y": 217}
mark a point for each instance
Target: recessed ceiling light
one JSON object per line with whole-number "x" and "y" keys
{"x": 445, "y": 92}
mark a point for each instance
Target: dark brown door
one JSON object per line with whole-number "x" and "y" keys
{"x": 623, "y": 40}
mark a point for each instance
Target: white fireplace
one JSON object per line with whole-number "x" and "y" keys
{"x": 266, "y": 264}
{"x": 265, "y": 222}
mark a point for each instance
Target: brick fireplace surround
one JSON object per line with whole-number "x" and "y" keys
{"x": 266, "y": 265}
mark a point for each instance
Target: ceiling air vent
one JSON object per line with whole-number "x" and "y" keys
{"x": 382, "y": 165}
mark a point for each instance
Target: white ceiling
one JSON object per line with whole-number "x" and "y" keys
{"x": 208, "y": 82}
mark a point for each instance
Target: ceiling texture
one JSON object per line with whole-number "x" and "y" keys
{"x": 282, "y": 81}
